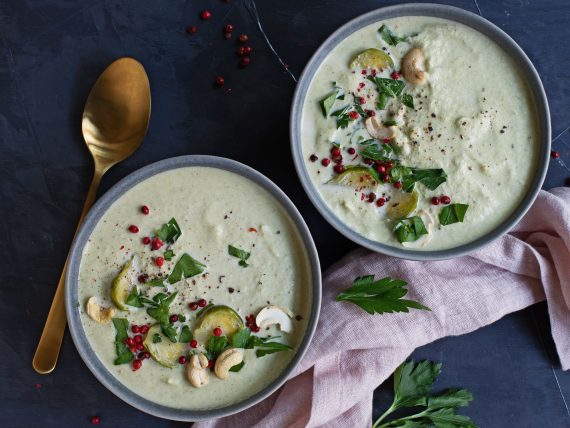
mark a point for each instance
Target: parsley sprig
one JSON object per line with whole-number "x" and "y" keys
{"x": 381, "y": 296}
{"x": 390, "y": 37}
{"x": 242, "y": 255}
{"x": 412, "y": 388}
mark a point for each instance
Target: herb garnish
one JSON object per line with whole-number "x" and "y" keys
{"x": 343, "y": 118}
{"x": 134, "y": 298}
{"x": 208, "y": 306}
{"x": 378, "y": 152}
{"x": 159, "y": 310}
{"x": 158, "y": 282}
{"x": 169, "y": 255}
{"x": 412, "y": 388}
{"x": 124, "y": 354}
{"x": 408, "y": 100}
{"x": 381, "y": 296}
{"x": 328, "y": 102}
{"x": 390, "y": 123}
{"x": 156, "y": 338}
{"x": 244, "y": 339}
{"x": 169, "y": 232}
{"x": 185, "y": 267}
{"x": 454, "y": 213}
{"x": 382, "y": 101}
{"x": 431, "y": 178}
{"x": 410, "y": 229}
{"x": 242, "y": 255}
{"x": 237, "y": 367}
{"x": 392, "y": 88}
{"x": 215, "y": 346}
{"x": 185, "y": 335}
{"x": 390, "y": 37}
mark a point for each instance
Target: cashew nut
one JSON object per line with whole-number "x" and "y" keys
{"x": 197, "y": 372}
{"x": 99, "y": 313}
{"x": 413, "y": 67}
{"x": 378, "y": 131}
{"x": 226, "y": 360}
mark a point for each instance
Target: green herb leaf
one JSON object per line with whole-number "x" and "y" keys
{"x": 240, "y": 254}
{"x": 169, "y": 255}
{"x": 169, "y": 232}
{"x": 237, "y": 367}
{"x": 328, "y": 102}
{"x": 134, "y": 298}
{"x": 451, "y": 398}
{"x": 382, "y": 296}
{"x": 390, "y": 37}
{"x": 390, "y": 123}
{"x": 413, "y": 382}
{"x": 268, "y": 348}
{"x": 160, "y": 312}
{"x": 431, "y": 178}
{"x": 408, "y": 100}
{"x": 378, "y": 152}
{"x": 124, "y": 354}
{"x": 156, "y": 282}
{"x": 410, "y": 229}
{"x": 182, "y": 318}
{"x": 208, "y": 306}
{"x": 215, "y": 346}
{"x": 156, "y": 338}
{"x": 185, "y": 267}
{"x": 185, "y": 335}
{"x": 454, "y": 213}
{"x": 382, "y": 101}
{"x": 169, "y": 331}
{"x": 241, "y": 338}
{"x": 392, "y": 88}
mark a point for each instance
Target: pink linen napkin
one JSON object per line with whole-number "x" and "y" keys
{"x": 335, "y": 381}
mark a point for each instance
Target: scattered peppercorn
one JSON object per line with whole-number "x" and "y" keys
{"x": 159, "y": 261}
{"x": 435, "y": 200}
{"x": 145, "y": 209}
{"x": 243, "y": 38}
{"x": 95, "y": 420}
{"x": 380, "y": 202}
{"x": 313, "y": 158}
{"x": 182, "y": 360}
{"x": 133, "y": 229}
{"x": 445, "y": 200}
{"x": 217, "y": 331}
{"x": 398, "y": 185}
{"x": 219, "y": 81}
{"x": 326, "y": 162}
{"x": 205, "y": 15}
{"x": 228, "y": 28}
{"x": 191, "y": 29}
{"x": 554, "y": 154}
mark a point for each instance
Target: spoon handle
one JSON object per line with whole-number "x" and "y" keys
{"x": 47, "y": 351}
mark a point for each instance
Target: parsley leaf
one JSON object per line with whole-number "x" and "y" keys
{"x": 237, "y": 367}
{"x": 241, "y": 338}
{"x": 328, "y": 102}
{"x": 382, "y": 101}
{"x": 124, "y": 354}
{"x": 160, "y": 310}
{"x": 185, "y": 267}
{"x": 134, "y": 298}
{"x": 268, "y": 348}
{"x": 408, "y": 100}
{"x": 454, "y": 213}
{"x": 378, "y": 152}
{"x": 410, "y": 229}
{"x": 156, "y": 338}
{"x": 185, "y": 335}
{"x": 169, "y": 232}
{"x": 158, "y": 282}
{"x": 390, "y": 37}
{"x": 215, "y": 346}
{"x": 240, "y": 254}
{"x": 343, "y": 119}
{"x": 431, "y": 178}
{"x": 413, "y": 384}
{"x": 169, "y": 254}
{"x": 244, "y": 339}
{"x": 392, "y": 88}
{"x": 169, "y": 331}
{"x": 381, "y": 296}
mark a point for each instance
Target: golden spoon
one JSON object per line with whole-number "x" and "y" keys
{"x": 115, "y": 121}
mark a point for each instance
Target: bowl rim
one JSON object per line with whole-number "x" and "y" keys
{"x": 78, "y": 335}
{"x": 451, "y": 13}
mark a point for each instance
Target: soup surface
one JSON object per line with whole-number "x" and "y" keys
{"x": 226, "y": 250}
{"x": 419, "y": 132}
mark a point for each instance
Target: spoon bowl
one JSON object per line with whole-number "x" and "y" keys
{"x": 115, "y": 121}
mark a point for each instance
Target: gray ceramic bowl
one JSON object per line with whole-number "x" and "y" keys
{"x": 439, "y": 11}
{"x": 71, "y": 285}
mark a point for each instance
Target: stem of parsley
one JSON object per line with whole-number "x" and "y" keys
{"x": 386, "y": 413}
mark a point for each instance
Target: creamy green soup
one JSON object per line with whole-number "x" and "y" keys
{"x": 197, "y": 213}
{"x": 428, "y": 153}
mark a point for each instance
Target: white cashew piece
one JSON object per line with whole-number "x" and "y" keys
{"x": 413, "y": 67}
{"x": 378, "y": 131}
{"x": 197, "y": 372}
{"x": 226, "y": 360}
{"x": 99, "y": 313}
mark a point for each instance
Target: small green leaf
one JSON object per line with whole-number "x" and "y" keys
{"x": 156, "y": 282}
{"x": 240, "y": 254}
{"x": 241, "y": 338}
{"x": 390, "y": 37}
{"x": 237, "y": 367}
{"x": 215, "y": 346}
{"x": 382, "y": 101}
{"x": 390, "y": 123}
{"x": 169, "y": 331}
{"x": 134, "y": 298}
{"x": 410, "y": 229}
{"x": 156, "y": 338}
{"x": 392, "y": 88}
{"x": 328, "y": 102}
{"x": 185, "y": 267}
{"x": 454, "y": 213}
{"x": 124, "y": 355}
{"x": 408, "y": 100}
{"x": 268, "y": 348}
{"x": 185, "y": 335}
{"x": 169, "y": 232}
{"x": 169, "y": 255}
{"x": 412, "y": 382}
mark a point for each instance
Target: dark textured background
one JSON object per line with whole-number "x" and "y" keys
{"x": 51, "y": 53}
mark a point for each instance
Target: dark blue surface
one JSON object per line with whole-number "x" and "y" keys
{"x": 51, "y": 53}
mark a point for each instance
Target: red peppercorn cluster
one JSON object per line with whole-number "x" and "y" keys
{"x": 135, "y": 344}
{"x": 250, "y": 323}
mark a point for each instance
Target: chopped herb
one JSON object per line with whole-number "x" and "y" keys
{"x": 390, "y": 37}
{"x": 412, "y": 388}
{"x": 343, "y": 119}
{"x": 378, "y": 152}
{"x": 156, "y": 338}
{"x": 185, "y": 335}
{"x": 382, "y": 101}
{"x": 208, "y": 306}
{"x": 169, "y": 255}
{"x": 169, "y": 332}
{"x": 410, "y": 229}
{"x": 328, "y": 102}
{"x": 390, "y": 123}
{"x": 169, "y": 232}
{"x": 124, "y": 354}
{"x": 185, "y": 267}
{"x": 240, "y": 254}
{"x": 134, "y": 298}
{"x": 431, "y": 178}
{"x": 241, "y": 338}
{"x": 159, "y": 310}
{"x": 215, "y": 346}
{"x": 454, "y": 213}
{"x": 268, "y": 348}
{"x": 381, "y": 296}
{"x": 156, "y": 282}
{"x": 392, "y": 88}
{"x": 237, "y": 367}
{"x": 244, "y": 339}
{"x": 182, "y": 318}
{"x": 408, "y": 100}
